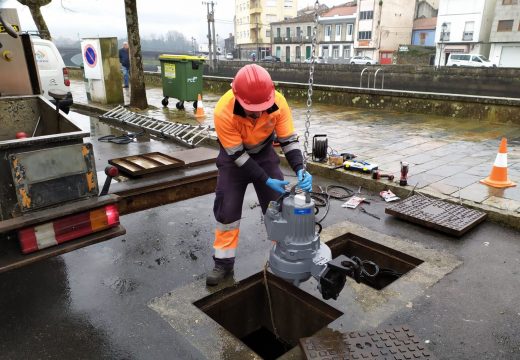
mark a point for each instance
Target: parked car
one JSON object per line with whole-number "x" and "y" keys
{"x": 363, "y": 60}
{"x": 473, "y": 60}
{"x": 54, "y": 75}
{"x": 319, "y": 60}
{"x": 271, "y": 59}
{"x": 229, "y": 56}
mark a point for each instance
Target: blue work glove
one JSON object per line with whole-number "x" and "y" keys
{"x": 304, "y": 182}
{"x": 277, "y": 185}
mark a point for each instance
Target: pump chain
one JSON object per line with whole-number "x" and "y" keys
{"x": 314, "y": 44}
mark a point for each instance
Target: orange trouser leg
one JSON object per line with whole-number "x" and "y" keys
{"x": 226, "y": 240}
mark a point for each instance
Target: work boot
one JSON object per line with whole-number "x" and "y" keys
{"x": 218, "y": 274}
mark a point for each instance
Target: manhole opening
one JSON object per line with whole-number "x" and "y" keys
{"x": 392, "y": 263}
{"x": 243, "y": 310}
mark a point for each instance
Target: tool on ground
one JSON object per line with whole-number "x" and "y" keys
{"x": 186, "y": 134}
{"x": 359, "y": 165}
{"x": 353, "y": 202}
{"x": 498, "y": 177}
{"x": 320, "y": 145}
{"x": 377, "y": 175}
{"x": 403, "y": 181}
{"x": 121, "y": 139}
{"x": 363, "y": 210}
{"x": 389, "y": 196}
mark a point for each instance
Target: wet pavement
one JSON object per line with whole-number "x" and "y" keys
{"x": 447, "y": 156}
{"x": 93, "y": 302}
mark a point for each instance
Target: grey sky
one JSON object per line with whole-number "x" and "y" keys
{"x": 82, "y": 18}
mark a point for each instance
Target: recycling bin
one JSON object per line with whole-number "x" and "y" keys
{"x": 181, "y": 78}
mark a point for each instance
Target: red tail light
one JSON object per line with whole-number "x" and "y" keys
{"x": 68, "y": 228}
{"x": 66, "y": 80}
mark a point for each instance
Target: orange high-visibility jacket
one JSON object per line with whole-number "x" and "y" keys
{"x": 241, "y": 137}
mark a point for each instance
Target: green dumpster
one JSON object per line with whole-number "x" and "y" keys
{"x": 181, "y": 78}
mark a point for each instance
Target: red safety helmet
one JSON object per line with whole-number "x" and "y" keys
{"x": 253, "y": 88}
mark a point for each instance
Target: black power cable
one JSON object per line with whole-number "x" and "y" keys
{"x": 121, "y": 139}
{"x": 319, "y": 148}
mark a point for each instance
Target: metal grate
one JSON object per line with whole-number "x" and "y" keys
{"x": 395, "y": 343}
{"x": 437, "y": 214}
{"x": 189, "y": 135}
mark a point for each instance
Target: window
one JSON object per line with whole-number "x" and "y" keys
{"x": 268, "y": 33}
{"x": 338, "y": 32}
{"x": 328, "y": 30}
{"x": 298, "y": 31}
{"x": 346, "y": 52}
{"x": 509, "y": 2}
{"x": 325, "y": 51}
{"x": 350, "y": 27}
{"x": 335, "y": 52}
{"x": 366, "y": 15}
{"x": 505, "y": 25}
{"x": 298, "y": 53}
{"x": 422, "y": 38}
{"x": 288, "y": 32}
{"x": 309, "y": 31}
{"x": 288, "y": 3}
{"x": 365, "y": 35}
{"x": 445, "y": 35}
{"x": 278, "y": 32}
{"x": 468, "y": 31}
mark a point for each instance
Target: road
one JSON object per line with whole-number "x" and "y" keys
{"x": 92, "y": 303}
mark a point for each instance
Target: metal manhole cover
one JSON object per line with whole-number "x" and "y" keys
{"x": 437, "y": 214}
{"x": 392, "y": 343}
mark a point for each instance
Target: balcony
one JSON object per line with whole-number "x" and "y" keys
{"x": 301, "y": 39}
{"x": 445, "y": 36}
{"x": 467, "y": 36}
{"x": 255, "y": 10}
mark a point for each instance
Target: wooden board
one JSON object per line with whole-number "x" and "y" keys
{"x": 197, "y": 156}
{"x": 137, "y": 165}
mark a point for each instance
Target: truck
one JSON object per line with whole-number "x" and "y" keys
{"x": 49, "y": 194}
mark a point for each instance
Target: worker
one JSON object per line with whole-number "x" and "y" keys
{"x": 247, "y": 117}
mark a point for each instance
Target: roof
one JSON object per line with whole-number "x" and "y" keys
{"x": 425, "y": 23}
{"x": 298, "y": 19}
{"x": 341, "y": 10}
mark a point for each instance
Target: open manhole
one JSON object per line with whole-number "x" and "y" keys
{"x": 392, "y": 263}
{"x": 243, "y": 310}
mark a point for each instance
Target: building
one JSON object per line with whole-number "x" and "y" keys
{"x": 426, "y": 8}
{"x": 252, "y": 29}
{"x": 423, "y": 32}
{"x": 336, "y": 33}
{"x": 505, "y": 34}
{"x": 229, "y": 45}
{"x": 382, "y": 26}
{"x": 465, "y": 27}
{"x": 292, "y": 38}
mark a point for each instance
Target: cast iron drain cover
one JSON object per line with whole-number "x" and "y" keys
{"x": 393, "y": 343}
{"x": 437, "y": 214}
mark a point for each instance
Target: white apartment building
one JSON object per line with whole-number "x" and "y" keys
{"x": 252, "y": 24}
{"x": 505, "y": 34}
{"x": 292, "y": 38}
{"x": 382, "y": 25}
{"x": 465, "y": 27}
{"x": 336, "y": 33}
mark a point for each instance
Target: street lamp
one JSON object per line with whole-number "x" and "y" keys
{"x": 444, "y": 27}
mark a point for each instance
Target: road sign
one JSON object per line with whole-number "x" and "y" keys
{"x": 91, "y": 53}
{"x": 90, "y": 56}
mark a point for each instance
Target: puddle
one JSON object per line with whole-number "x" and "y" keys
{"x": 243, "y": 310}
{"x": 392, "y": 263}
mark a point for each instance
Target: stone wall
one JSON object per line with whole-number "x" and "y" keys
{"x": 503, "y": 82}
{"x": 456, "y": 106}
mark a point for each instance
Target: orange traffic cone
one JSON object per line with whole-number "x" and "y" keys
{"x": 498, "y": 177}
{"x": 200, "y": 108}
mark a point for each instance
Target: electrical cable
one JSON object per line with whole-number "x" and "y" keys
{"x": 327, "y": 195}
{"x": 319, "y": 149}
{"x": 121, "y": 139}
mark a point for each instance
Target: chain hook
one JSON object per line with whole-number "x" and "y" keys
{"x": 314, "y": 44}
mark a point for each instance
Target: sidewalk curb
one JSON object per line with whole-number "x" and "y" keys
{"x": 509, "y": 218}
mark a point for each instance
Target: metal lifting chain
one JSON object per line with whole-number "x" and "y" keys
{"x": 311, "y": 82}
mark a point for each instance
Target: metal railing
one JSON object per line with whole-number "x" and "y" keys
{"x": 369, "y": 72}
{"x": 382, "y": 79}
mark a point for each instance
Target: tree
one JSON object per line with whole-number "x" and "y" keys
{"x": 34, "y": 6}
{"x": 137, "y": 87}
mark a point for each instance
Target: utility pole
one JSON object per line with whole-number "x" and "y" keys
{"x": 210, "y": 18}
{"x": 213, "y": 29}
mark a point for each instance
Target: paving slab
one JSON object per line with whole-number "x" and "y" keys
{"x": 460, "y": 180}
{"x": 503, "y": 204}
{"x": 475, "y": 192}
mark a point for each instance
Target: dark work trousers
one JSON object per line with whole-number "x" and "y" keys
{"x": 231, "y": 187}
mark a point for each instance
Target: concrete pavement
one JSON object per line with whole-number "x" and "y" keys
{"x": 447, "y": 156}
